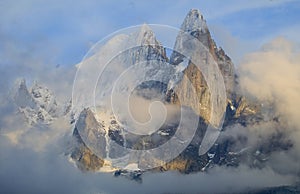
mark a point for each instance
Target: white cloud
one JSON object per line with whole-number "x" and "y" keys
{"x": 273, "y": 75}
{"x": 25, "y": 171}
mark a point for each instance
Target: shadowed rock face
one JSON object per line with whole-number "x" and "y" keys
{"x": 239, "y": 109}
{"x": 192, "y": 82}
{"x": 85, "y": 159}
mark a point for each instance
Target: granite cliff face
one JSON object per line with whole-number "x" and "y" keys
{"x": 195, "y": 25}
{"x": 84, "y": 157}
{"x": 101, "y": 129}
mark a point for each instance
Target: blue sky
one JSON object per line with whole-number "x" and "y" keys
{"x": 61, "y": 32}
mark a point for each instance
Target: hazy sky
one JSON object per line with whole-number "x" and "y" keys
{"x": 61, "y": 32}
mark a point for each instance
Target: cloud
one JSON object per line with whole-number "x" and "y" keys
{"x": 37, "y": 137}
{"x": 271, "y": 75}
{"x": 13, "y": 125}
{"x": 25, "y": 171}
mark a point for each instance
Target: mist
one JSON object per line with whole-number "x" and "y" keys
{"x": 271, "y": 75}
{"x": 27, "y": 171}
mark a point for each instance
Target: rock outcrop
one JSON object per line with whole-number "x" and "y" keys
{"x": 195, "y": 26}
{"x": 98, "y": 127}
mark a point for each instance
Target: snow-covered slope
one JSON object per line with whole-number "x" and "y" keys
{"x": 146, "y": 60}
{"x": 38, "y": 104}
{"x": 103, "y": 66}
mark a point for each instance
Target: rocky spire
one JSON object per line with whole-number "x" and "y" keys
{"x": 194, "y": 21}
{"x": 142, "y": 46}
{"x": 151, "y": 48}
{"x": 195, "y": 24}
{"x": 22, "y": 97}
{"x": 145, "y": 35}
{"x": 38, "y": 104}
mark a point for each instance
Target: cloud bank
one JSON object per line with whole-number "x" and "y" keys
{"x": 271, "y": 76}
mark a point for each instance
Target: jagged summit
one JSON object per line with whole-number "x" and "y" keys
{"x": 194, "y": 21}
{"x": 22, "y": 96}
{"x": 38, "y": 104}
{"x": 195, "y": 25}
{"x": 146, "y": 36}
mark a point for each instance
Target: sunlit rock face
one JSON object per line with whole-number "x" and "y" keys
{"x": 195, "y": 25}
{"x": 97, "y": 133}
{"x": 84, "y": 158}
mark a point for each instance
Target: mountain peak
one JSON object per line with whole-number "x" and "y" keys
{"x": 21, "y": 82}
{"x": 38, "y": 104}
{"x": 146, "y": 28}
{"x": 21, "y": 95}
{"x": 194, "y": 21}
{"x": 146, "y": 36}
{"x": 196, "y": 13}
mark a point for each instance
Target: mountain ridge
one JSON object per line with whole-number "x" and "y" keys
{"x": 195, "y": 25}
{"x": 100, "y": 129}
